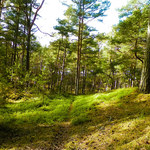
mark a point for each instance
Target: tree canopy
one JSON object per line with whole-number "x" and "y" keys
{"x": 78, "y": 60}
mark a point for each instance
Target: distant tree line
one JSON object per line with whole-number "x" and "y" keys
{"x": 79, "y": 60}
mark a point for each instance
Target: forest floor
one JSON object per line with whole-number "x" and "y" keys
{"x": 116, "y": 120}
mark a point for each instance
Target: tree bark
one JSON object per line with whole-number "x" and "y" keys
{"x": 16, "y": 37}
{"x": 30, "y": 24}
{"x": 145, "y": 77}
{"x": 84, "y": 80}
{"x": 63, "y": 69}
{"x": 1, "y": 7}
{"x": 78, "y": 59}
{"x": 80, "y": 38}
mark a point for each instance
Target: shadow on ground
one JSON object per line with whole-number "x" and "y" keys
{"x": 122, "y": 124}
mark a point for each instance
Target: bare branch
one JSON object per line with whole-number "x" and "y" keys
{"x": 43, "y": 32}
{"x": 36, "y": 14}
{"x": 138, "y": 57}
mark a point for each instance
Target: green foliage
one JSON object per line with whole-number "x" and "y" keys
{"x": 107, "y": 61}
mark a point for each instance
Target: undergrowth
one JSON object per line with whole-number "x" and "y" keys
{"x": 85, "y": 104}
{"x": 115, "y": 120}
{"x": 36, "y": 110}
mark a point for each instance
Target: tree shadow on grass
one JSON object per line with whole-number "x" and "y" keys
{"x": 27, "y": 136}
{"x": 39, "y": 130}
{"x": 120, "y": 125}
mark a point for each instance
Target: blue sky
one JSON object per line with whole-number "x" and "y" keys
{"x": 53, "y": 9}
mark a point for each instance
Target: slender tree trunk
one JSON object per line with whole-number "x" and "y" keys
{"x": 22, "y": 61}
{"x": 28, "y": 39}
{"x": 80, "y": 38}
{"x": 145, "y": 77}
{"x": 100, "y": 84}
{"x": 78, "y": 59}
{"x": 57, "y": 68}
{"x": 63, "y": 69}
{"x": 16, "y": 38}
{"x": 112, "y": 74}
{"x": 12, "y": 59}
{"x": 1, "y": 7}
{"x": 30, "y": 24}
{"x": 84, "y": 80}
{"x": 6, "y": 54}
{"x": 28, "y": 51}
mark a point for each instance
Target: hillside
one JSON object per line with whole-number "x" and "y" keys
{"x": 119, "y": 119}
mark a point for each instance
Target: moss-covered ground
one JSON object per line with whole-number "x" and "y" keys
{"x": 116, "y": 120}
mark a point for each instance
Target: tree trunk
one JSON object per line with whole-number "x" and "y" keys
{"x": 84, "y": 80}
{"x": 16, "y": 38}
{"x": 6, "y": 54}
{"x": 1, "y": 7}
{"x": 28, "y": 51}
{"x": 30, "y": 23}
{"x": 145, "y": 77}
{"x": 80, "y": 38}
{"x": 78, "y": 59}
{"x": 93, "y": 85}
{"x": 63, "y": 69}
{"x": 57, "y": 67}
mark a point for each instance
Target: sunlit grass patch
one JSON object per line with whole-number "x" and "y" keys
{"x": 35, "y": 111}
{"x": 136, "y": 134}
{"x": 116, "y": 120}
{"x": 85, "y": 105}
{"x": 115, "y": 135}
{"x": 30, "y": 123}
{"x": 81, "y": 107}
{"x": 116, "y": 94}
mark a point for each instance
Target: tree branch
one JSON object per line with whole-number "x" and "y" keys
{"x": 43, "y": 32}
{"x": 36, "y": 14}
{"x": 138, "y": 57}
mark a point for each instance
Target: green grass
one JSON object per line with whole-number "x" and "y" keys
{"x": 116, "y": 120}
{"x": 85, "y": 104}
{"x": 119, "y": 120}
{"x": 35, "y": 111}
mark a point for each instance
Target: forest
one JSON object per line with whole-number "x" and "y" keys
{"x": 86, "y": 90}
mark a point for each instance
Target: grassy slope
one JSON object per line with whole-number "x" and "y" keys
{"x": 116, "y": 120}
